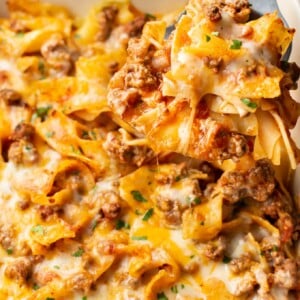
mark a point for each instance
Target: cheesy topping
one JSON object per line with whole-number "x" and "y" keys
{"x": 139, "y": 166}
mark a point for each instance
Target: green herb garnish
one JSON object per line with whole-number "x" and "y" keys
{"x": 9, "y": 251}
{"x": 49, "y": 134}
{"x": 78, "y": 253}
{"x": 41, "y": 67}
{"x": 94, "y": 224}
{"x": 139, "y": 238}
{"x": 120, "y": 224}
{"x": 197, "y": 200}
{"x": 138, "y": 196}
{"x": 41, "y": 112}
{"x": 148, "y": 214}
{"x": 150, "y": 17}
{"x": 76, "y": 150}
{"x": 20, "y": 34}
{"x": 39, "y": 229}
{"x": 249, "y": 103}
{"x": 161, "y": 296}
{"x": 174, "y": 289}
{"x": 236, "y": 44}
{"x": 207, "y": 38}
{"x": 226, "y": 259}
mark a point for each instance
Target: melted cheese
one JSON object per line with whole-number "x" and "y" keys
{"x": 83, "y": 219}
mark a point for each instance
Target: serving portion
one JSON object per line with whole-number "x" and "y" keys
{"x": 136, "y": 165}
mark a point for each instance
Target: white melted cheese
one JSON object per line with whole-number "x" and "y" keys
{"x": 15, "y": 76}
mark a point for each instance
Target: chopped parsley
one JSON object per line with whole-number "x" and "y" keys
{"x": 39, "y": 229}
{"x": 89, "y": 135}
{"x": 49, "y": 134}
{"x": 207, "y": 38}
{"x": 76, "y": 150}
{"x": 236, "y": 44}
{"x": 56, "y": 267}
{"x": 161, "y": 296}
{"x": 9, "y": 251}
{"x": 35, "y": 286}
{"x": 93, "y": 134}
{"x": 226, "y": 259}
{"x": 137, "y": 212}
{"x": 148, "y": 214}
{"x": 249, "y": 103}
{"x": 28, "y": 147}
{"x": 50, "y": 298}
{"x": 122, "y": 224}
{"x": 41, "y": 112}
{"x": 85, "y": 134}
{"x": 94, "y": 224}
{"x": 41, "y": 67}
{"x": 150, "y": 17}
{"x": 20, "y": 34}
{"x": 177, "y": 178}
{"x": 138, "y": 196}
{"x": 197, "y": 200}
{"x": 202, "y": 223}
{"x": 78, "y": 253}
{"x": 275, "y": 248}
{"x": 182, "y": 286}
{"x": 84, "y": 298}
{"x": 174, "y": 289}
{"x": 139, "y": 238}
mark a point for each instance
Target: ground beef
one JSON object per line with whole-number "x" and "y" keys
{"x": 213, "y": 63}
{"x": 7, "y": 237}
{"x": 246, "y": 284}
{"x": 23, "y": 131}
{"x": 111, "y": 207}
{"x": 121, "y": 99}
{"x": 171, "y": 210}
{"x": 285, "y": 274}
{"x": 10, "y": 96}
{"x": 280, "y": 211}
{"x": 214, "y": 250}
{"x": 240, "y": 264}
{"x": 46, "y": 211}
{"x": 106, "y": 20}
{"x": 81, "y": 282}
{"x": 214, "y": 14}
{"x": 139, "y": 76}
{"x": 117, "y": 147}
{"x": 22, "y": 152}
{"x": 135, "y": 27}
{"x": 137, "y": 50}
{"x": 57, "y": 55}
{"x": 239, "y": 10}
{"x": 257, "y": 183}
{"x": 19, "y": 269}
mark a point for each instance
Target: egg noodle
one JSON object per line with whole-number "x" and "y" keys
{"x": 139, "y": 163}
